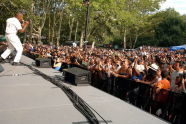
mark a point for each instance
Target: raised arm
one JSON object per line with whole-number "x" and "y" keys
{"x": 24, "y": 26}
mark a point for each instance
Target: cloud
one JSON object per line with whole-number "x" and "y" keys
{"x": 178, "y": 5}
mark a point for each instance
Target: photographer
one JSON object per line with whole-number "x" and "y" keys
{"x": 180, "y": 83}
{"x": 178, "y": 69}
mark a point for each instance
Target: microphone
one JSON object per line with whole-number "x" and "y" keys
{"x": 22, "y": 21}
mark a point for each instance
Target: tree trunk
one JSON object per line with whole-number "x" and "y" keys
{"x": 39, "y": 35}
{"x": 31, "y": 30}
{"x": 124, "y": 38}
{"x": 49, "y": 28}
{"x": 131, "y": 44}
{"x": 93, "y": 44}
{"x": 59, "y": 28}
{"x": 43, "y": 20}
{"x": 71, "y": 24}
{"x": 53, "y": 28}
{"x": 45, "y": 7}
{"x": 25, "y": 35}
{"x": 77, "y": 24}
{"x": 81, "y": 39}
{"x": 136, "y": 39}
{"x": 31, "y": 23}
{"x": 40, "y": 28}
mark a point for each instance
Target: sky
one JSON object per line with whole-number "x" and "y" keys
{"x": 178, "y": 5}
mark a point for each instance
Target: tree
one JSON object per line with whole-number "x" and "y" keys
{"x": 8, "y": 8}
{"x": 140, "y": 11}
{"x": 171, "y": 31}
{"x": 128, "y": 22}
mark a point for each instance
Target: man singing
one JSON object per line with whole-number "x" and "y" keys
{"x": 13, "y": 25}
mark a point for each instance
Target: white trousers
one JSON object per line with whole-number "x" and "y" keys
{"x": 13, "y": 43}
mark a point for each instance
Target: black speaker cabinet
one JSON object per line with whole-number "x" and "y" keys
{"x": 43, "y": 62}
{"x": 1, "y": 69}
{"x": 78, "y": 76}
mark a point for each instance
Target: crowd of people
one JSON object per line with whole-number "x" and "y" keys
{"x": 147, "y": 65}
{"x": 158, "y": 67}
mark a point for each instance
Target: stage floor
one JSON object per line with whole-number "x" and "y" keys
{"x": 27, "y": 98}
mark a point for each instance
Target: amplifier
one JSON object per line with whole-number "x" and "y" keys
{"x": 77, "y": 76}
{"x": 43, "y": 62}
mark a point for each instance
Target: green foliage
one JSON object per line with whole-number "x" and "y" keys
{"x": 8, "y": 8}
{"x": 108, "y": 20}
{"x": 171, "y": 31}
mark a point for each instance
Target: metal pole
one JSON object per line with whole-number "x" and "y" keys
{"x": 86, "y": 19}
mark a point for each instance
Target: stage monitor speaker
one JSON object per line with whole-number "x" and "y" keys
{"x": 43, "y": 62}
{"x": 78, "y": 76}
{"x": 1, "y": 68}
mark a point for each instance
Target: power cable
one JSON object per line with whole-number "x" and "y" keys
{"x": 77, "y": 101}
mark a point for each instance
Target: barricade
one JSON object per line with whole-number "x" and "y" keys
{"x": 171, "y": 104}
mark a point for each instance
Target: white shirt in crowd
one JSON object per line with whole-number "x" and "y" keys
{"x": 13, "y": 25}
{"x": 118, "y": 68}
{"x": 144, "y": 53}
{"x": 74, "y": 44}
{"x": 109, "y": 70}
{"x": 173, "y": 78}
{"x": 140, "y": 67}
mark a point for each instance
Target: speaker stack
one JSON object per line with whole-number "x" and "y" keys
{"x": 78, "y": 76}
{"x": 43, "y": 62}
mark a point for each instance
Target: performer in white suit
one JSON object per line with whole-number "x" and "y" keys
{"x": 13, "y": 25}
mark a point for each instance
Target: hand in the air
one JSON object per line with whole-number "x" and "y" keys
{"x": 26, "y": 22}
